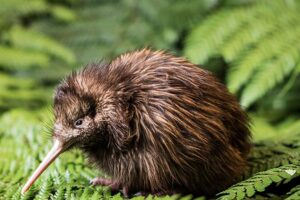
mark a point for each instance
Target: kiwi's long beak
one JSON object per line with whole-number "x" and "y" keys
{"x": 56, "y": 150}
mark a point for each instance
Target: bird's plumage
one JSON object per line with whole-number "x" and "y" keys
{"x": 157, "y": 123}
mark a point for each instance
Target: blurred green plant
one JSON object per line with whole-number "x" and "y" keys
{"x": 260, "y": 42}
{"x": 24, "y": 51}
{"x": 260, "y": 181}
{"x": 105, "y": 29}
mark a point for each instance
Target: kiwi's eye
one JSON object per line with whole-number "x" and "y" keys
{"x": 78, "y": 123}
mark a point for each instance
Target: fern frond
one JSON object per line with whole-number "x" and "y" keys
{"x": 30, "y": 194}
{"x": 13, "y": 9}
{"x": 261, "y": 129}
{"x": 266, "y": 50}
{"x": 269, "y": 75}
{"x": 7, "y": 81}
{"x": 86, "y": 193}
{"x": 205, "y": 39}
{"x": 31, "y": 40}
{"x": 249, "y": 38}
{"x": 14, "y": 58}
{"x": 68, "y": 192}
{"x": 59, "y": 185}
{"x": 17, "y": 194}
{"x": 292, "y": 80}
{"x": 45, "y": 189}
{"x": 24, "y": 98}
{"x": 260, "y": 181}
{"x": 19, "y": 7}
{"x": 11, "y": 191}
{"x": 294, "y": 193}
{"x": 62, "y": 13}
{"x": 106, "y": 36}
{"x": 290, "y": 130}
{"x": 270, "y": 155}
{"x": 95, "y": 196}
{"x": 255, "y": 31}
{"x": 24, "y": 51}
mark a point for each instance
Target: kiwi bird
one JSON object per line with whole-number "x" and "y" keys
{"x": 152, "y": 122}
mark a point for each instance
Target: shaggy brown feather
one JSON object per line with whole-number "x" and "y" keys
{"x": 157, "y": 123}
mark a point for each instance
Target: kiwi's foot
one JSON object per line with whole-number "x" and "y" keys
{"x": 142, "y": 193}
{"x": 114, "y": 186}
{"x": 101, "y": 181}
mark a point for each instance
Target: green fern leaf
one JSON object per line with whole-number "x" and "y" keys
{"x": 259, "y": 186}
{"x": 13, "y": 58}
{"x": 17, "y": 194}
{"x": 268, "y": 76}
{"x": 204, "y": 40}
{"x": 249, "y": 40}
{"x": 31, "y": 40}
{"x": 241, "y": 72}
{"x": 62, "y": 13}
{"x": 45, "y": 190}
{"x": 19, "y": 7}
{"x": 255, "y": 31}
{"x": 294, "y": 193}
{"x": 261, "y": 181}
{"x": 250, "y": 190}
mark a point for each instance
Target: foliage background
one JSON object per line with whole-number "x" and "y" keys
{"x": 251, "y": 45}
